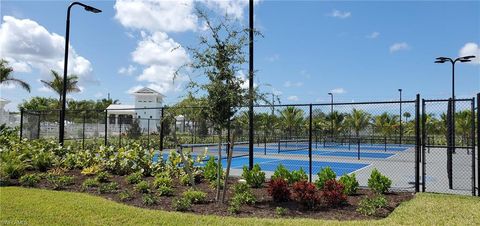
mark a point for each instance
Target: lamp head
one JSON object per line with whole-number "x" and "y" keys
{"x": 330, "y": 93}
{"x": 92, "y": 9}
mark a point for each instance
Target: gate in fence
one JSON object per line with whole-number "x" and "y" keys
{"x": 448, "y": 146}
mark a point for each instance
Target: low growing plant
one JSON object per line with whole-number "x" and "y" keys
{"x": 306, "y": 194}
{"x": 90, "y": 183}
{"x": 29, "y": 180}
{"x": 378, "y": 182}
{"x": 59, "y": 182}
{"x": 333, "y": 193}
{"x": 194, "y": 196}
{"x": 134, "y": 178}
{"x": 281, "y": 172}
{"x": 210, "y": 169}
{"x": 255, "y": 177}
{"x": 102, "y": 177}
{"x": 181, "y": 204}
{"x": 149, "y": 199}
{"x": 242, "y": 195}
{"x": 278, "y": 189}
{"x": 298, "y": 175}
{"x": 280, "y": 211}
{"x": 350, "y": 184}
{"x": 143, "y": 187}
{"x": 370, "y": 206}
{"x": 111, "y": 187}
{"x": 165, "y": 191}
{"x": 91, "y": 170}
{"x": 125, "y": 195}
{"x": 162, "y": 180}
{"x": 325, "y": 174}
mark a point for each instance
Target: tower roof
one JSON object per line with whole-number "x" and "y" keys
{"x": 147, "y": 91}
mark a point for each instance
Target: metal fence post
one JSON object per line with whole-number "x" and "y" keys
{"x": 473, "y": 146}
{"x": 83, "y": 132}
{"x": 106, "y": 127}
{"x": 310, "y": 145}
{"x": 21, "y": 123}
{"x": 478, "y": 142}
{"x": 148, "y": 133}
{"x": 417, "y": 143}
{"x": 424, "y": 139}
{"x": 161, "y": 130}
{"x": 38, "y": 125}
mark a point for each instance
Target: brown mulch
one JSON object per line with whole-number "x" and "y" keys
{"x": 263, "y": 208}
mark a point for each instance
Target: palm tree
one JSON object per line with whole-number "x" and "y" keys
{"x": 57, "y": 84}
{"x": 407, "y": 115}
{"x": 337, "y": 121}
{"x": 358, "y": 120}
{"x": 6, "y": 76}
{"x": 463, "y": 122}
{"x": 291, "y": 119}
{"x": 386, "y": 123}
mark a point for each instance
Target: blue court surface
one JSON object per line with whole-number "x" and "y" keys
{"x": 270, "y": 164}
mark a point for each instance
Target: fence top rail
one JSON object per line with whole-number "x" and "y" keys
{"x": 446, "y": 100}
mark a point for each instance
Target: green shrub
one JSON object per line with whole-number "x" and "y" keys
{"x": 282, "y": 172}
{"x": 90, "y": 183}
{"x": 210, "y": 170}
{"x": 125, "y": 195}
{"x": 59, "y": 182}
{"x": 165, "y": 191}
{"x": 185, "y": 179}
{"x": 134, "y": 178}
{"x": 325, "y": 174}
{"x": 350, "y": 184}
{"x": 280, "y": 211}
{"x": 255, "y": 177}
{"x": 370, "y": 206}
{"x": 149, "y": 199}
{"x": 42, "y": 160}
{"x": 91, "y": 170}
{"x": 12, "y": 165}
{"x": 29, "y": 180}
{"x": 181, "y": 204}
{"x": 194, "y": 196}
{"x": 111, "y": 187}
{"x": 162, "y": 180}
{"x": 242, "y": 195}
{"x": 298, "y": 175}
{"x": 143, "y": 187}
{"x": 378, "y": 182}
{"x": 102, "y": 177}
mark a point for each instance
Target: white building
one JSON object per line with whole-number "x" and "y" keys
{"x": 146, "y": 110}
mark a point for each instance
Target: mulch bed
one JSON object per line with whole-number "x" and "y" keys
{"x": 263, "y": 208}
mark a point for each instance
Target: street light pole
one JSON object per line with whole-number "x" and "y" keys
{"x": 441, "y": 60}
{"x": 61, "y": 129}
{"x": 331, "y": 112}
{"x": 401, "y": 130}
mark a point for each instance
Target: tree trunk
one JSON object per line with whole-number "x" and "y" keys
{"x": 229, "y": 162}
{"x": 219, "y": 168}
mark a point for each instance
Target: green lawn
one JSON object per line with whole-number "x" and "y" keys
{"x": 44, "y": 207}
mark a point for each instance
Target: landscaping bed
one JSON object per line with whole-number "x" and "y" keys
{"x": 264, "y": 207}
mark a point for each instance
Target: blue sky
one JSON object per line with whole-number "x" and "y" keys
{"x": 359, "y": 50}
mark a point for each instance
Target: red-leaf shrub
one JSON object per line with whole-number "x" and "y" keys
{"x": 278, "y": 189}
{"x": 333, "y": 194}
{"x": 306, "y": 194}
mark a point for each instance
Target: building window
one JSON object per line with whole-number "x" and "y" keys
{"x": 111, "y": 119}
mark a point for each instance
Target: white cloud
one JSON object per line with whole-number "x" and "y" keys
{"x": 7, "y": 86}
{"x": 339, "y": 14}
{"x": 292, "y": 98}
{"x": 134, "y": 89}
{"x": 234, "y": 8}
{"x": 162, "y": 56}
{"x": 292, "y": 84}
{"x": 44, "y": 89}
{"x": 127, "y": 70}
{"x": 338, "y": 91}
{"x": 244, "y": 78}
{"x": 27, "y": 45}
{"x": 155, "y": 16}
{"x": 471, "y": 49}
{"x": 373, "y": 35}
{"x": 273, "y": 58}
{"x": 98, "y": 95}
{"x": 399, "y": 46}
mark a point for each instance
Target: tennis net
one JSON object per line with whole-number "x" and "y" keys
{"x": 292, "y": 145}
